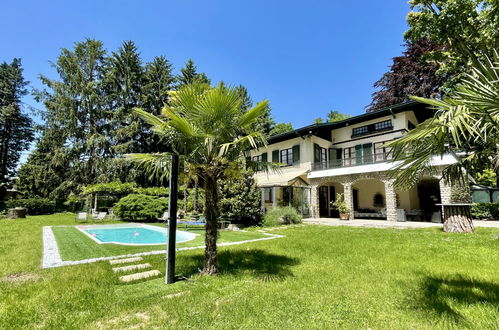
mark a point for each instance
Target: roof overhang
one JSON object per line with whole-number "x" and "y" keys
{"x": 295, "y": 179}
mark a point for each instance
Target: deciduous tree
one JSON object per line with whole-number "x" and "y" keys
{"x": 410, "y": 74}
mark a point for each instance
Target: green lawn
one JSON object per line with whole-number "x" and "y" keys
{"x": 74, "y": 245}
{"x": 315, "y": 277}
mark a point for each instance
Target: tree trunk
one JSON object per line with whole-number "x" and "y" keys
{"x": 185, "y": 197}
{"x": 211, "y": 215}
{"x": 195, "y": 202}
{"x": 457, "y": 219}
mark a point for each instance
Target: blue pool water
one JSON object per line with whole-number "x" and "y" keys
{"x": 135, "y": 235}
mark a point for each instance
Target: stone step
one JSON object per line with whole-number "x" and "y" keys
{"x": 124, "y": 261}
{"x": 139, "y": 276}
{"x": 131, "y": 267}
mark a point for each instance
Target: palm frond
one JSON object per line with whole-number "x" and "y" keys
{"x": 156, "y": 165}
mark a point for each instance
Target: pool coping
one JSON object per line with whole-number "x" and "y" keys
{"x": 51, "y": 258}
{"x": 82, "y": 229}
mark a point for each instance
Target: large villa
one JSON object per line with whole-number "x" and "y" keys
{"x": 350, "y": 157}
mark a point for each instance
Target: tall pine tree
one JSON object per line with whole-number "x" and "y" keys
{"x": 16, "y": 128}
{"x": 75, "y": 112}
{"x": 190, "y": 74}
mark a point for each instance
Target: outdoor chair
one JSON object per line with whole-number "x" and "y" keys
{"x": 81, "y": 216}
{"x": 164, "y": 217}
{"x": 99, "y": 216}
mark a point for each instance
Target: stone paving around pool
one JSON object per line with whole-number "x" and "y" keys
{"x": 52, "y": 258}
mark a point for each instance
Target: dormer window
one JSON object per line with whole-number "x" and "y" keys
{"x": 381, "y": 126}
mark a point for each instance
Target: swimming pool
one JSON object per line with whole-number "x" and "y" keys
{"x": 132, "y": 234}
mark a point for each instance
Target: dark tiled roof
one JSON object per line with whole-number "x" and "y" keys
{"x": 323, "y": 130}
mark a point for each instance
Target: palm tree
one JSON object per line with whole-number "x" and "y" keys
{"x": 207, "y": 128}
{"x": 466, "y": 122}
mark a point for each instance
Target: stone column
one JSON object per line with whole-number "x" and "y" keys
{"x": 274, "y": 197}
{"x": 314, "y": 200}
{"x": 263, "y": 199}
{"x": 348, "y": 194}
{"x": 391, "y": 201}
{"x": 445, "y": 191}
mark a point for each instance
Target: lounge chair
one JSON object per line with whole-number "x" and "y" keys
{"x": 164, "y": 217}
{"x": 200, "y": 222}
{"x": 81, "y": 216}
{"x": 99, "y": 216}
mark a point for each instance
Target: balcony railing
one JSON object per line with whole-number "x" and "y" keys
{"x": 355, "y": 161}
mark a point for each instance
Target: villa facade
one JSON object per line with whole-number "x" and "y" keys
{"x": 350, "y": 157}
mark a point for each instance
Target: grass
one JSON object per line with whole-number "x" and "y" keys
{"x": 315, "y": 277}
{"x": 74, "y": 245}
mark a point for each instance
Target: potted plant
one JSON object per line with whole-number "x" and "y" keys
{"x": 340, "y": 205}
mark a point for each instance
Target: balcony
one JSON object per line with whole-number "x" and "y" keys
{"x": 355, "y": 161}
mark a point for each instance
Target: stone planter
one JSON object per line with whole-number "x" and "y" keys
{"x": 18, "y": 212}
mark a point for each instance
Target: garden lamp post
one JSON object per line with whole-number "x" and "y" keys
{"x": 172, "y": 220}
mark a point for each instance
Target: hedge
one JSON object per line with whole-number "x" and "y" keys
{"x": 485, "y": 210}
{"x": 34, "y": 205}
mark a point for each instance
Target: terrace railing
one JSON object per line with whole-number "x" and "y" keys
{"x": 355, "y": 161}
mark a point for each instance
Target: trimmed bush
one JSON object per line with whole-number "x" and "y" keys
{"x": 35, "y": 206}
{"x": 281, "y": 216}
{"x": 485, "y": 210}
{"x": 136, "y": 207}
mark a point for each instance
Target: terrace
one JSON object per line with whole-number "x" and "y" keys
{"x": 353, "y": 161}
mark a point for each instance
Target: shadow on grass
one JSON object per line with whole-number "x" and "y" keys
{"x": 254, "y": 262}
{"x": 437, "y": 295}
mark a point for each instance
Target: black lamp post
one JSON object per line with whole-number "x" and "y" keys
{"x": 172, "y": 221}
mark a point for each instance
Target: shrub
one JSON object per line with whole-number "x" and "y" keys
{"x": 136, "y": 207}
{"x": 281, "y": 215}
{"x": 485, "y": 210}
{"x": 33, "y": 205}
{"x": 340, "y": 204}
{"x": 460, "y": 194}
{"x": 240, "y": 200}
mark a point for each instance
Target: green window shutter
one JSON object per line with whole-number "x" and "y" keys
{"x": 296, "y": 153}
{"x": 335, "y": 155}
{"x": 358, "y": 154}
{"x": 332, "y": 154}
{"x": 367, "y": 151}
{"x": 317, "y": 153}
{"x": 275, "y": 156}
{"x": 264, "y": 157}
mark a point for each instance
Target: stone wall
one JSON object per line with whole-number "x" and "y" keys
{"x": 348, "y": 180}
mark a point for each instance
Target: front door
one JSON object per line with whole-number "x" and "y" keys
{"x": 355, "y": 200}
{"x": 332, "y": 197}
{"x": 323, "y": 201}
{"x": 429, "y": 197}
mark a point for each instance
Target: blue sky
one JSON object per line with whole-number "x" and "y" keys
{"x": 306, "y": 57}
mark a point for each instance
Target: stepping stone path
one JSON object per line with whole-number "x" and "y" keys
{"x": 131, "y": 267}
{"x": 124, "y": 261}
{"x": 140, "y": 276}
{"x": 134, "y": 267}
